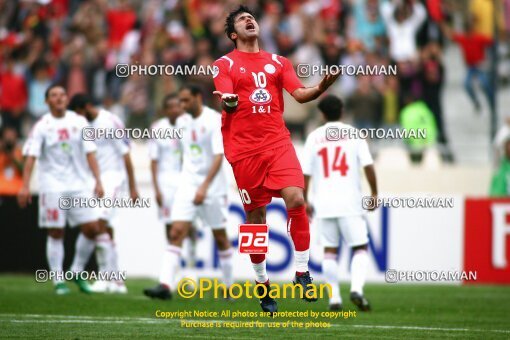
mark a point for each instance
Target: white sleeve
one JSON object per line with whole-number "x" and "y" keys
{"x": 87, "y": 145}
{"x": 364, "y": 156}
{"x": 121, "y": 144}
{"x": 419, "y": 15}
{"x": 153, "y": 149}
{"x": 34, "y": 143}
{"x": 217, "y": 138}
{"x": 387, "y": 9}
{"x": 308, "y": 157}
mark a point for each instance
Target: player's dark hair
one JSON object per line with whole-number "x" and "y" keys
{"x": 169, "y": 97}
{"x": 331, "y": 107}
{"x": 229, "y": 23}
{"x": 79, "y": 101}
{"x": 194, "y": 89}
{"x": 51, "y": 87}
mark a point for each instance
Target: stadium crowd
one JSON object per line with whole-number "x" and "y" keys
{"x": 78, "y": 43}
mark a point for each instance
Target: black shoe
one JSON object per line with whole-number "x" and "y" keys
{"x": 305, "y": 281}
{"x": 267, "y": 303}
{"x": 158, "y": 292}
{"x": 360, "y": 301}
{"x": 336, "y": 307}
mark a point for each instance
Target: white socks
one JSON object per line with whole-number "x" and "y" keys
{"x": 359, "y": 264}
{"x": 104, "y": 253}
{"x": 260, "y": 272}
{"x": 55, "y": 256}
{"x": 330, "y": 273}
{"x": 302, "y": 258}
{"x": 83, "y": 250}
{"x": 170, "y": 266}
{"x": 226, "y": 257}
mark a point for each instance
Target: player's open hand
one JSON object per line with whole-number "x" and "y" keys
{"x": 227, "y": 97}
{"x": 24, "y": 197}
{"x": 328, "y": 80}
{"x": 200, "y": 195}
{"x": 133, "y": 194}
{"x": 98, "y": 190}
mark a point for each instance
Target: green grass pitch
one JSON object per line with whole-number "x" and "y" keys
{"x": 32, "y": 310}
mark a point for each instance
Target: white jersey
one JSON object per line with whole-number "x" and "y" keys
{"x": 110, "y": 151}
{"x": 335, "y": 169}
{"x": 202, "y": 141}
{"x": 61, "y": 151}
{"x": 167, "y": 152}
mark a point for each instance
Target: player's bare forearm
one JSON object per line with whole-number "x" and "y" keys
{"x": 154, "y": 173}
{"x": 213, "y": 171}
{"x": 307, "y": 94}
{"x": 27, "y": 171}
{"x": 130, "y": 172}
{"x": 24, "y": 193}
{"x": 94, "y": 167}
{"x": 371, "y": 178}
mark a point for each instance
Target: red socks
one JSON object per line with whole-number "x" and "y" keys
{"x": 257, "y": 258}
{"x": 298, "y": 228}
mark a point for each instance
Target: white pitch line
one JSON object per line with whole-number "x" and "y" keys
{"x": 36, "y": 318}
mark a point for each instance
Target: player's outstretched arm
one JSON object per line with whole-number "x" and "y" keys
{"x": 372, "y": 181}
{"x": 306, "y": 94}
{"x": 228, "y": 101}
{"x": 24, "y": 194}
{"x": 94, "y": 167}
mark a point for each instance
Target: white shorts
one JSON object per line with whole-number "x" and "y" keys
{"x": 213, "y": 212}
{"x": 52, "y": 216}
{"x": 165, "y": 211}
{"x": 353, "y": 230}
{"x": 114, "y": 185}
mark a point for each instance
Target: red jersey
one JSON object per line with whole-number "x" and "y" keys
{"x": 258, "y": 79}
{"x": 473, "y": 46}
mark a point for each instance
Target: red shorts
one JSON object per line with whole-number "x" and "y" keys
{"x": 262, "y": 176}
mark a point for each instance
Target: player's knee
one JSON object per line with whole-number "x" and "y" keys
{"x": 56, "y": 233}
{"x": 296, "y": 199}
{"x": 177, "y": 233}
{"x": 257, "y": 216}
{"x": 222, "y": 241}
{"x": 91, "y": 230}
{"x": 362, "y": 247}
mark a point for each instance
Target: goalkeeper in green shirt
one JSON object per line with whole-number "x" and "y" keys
{"x": 500, "y": 179}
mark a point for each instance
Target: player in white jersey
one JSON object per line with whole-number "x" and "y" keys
{"x": 66, "y": 161}
{"x": 116, "y": 168}
{"x": 202, "y": 190}
{"x": 166, "y": 165}
{"x": 334, "y": 165}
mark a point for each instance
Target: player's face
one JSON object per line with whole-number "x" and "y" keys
{"x": 57, "y": 99}
{"x": 188, "y": 101}
{"x": 173, "y": 108}
{"x": 246, "y": 27}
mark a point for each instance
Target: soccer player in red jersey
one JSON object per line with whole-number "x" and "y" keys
{"x": 257, "y": 144}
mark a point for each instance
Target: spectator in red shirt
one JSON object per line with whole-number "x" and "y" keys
{"x": 13, "y": 96}
{"x": 473, "y": 46}
{"x": 120, "y": 21}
